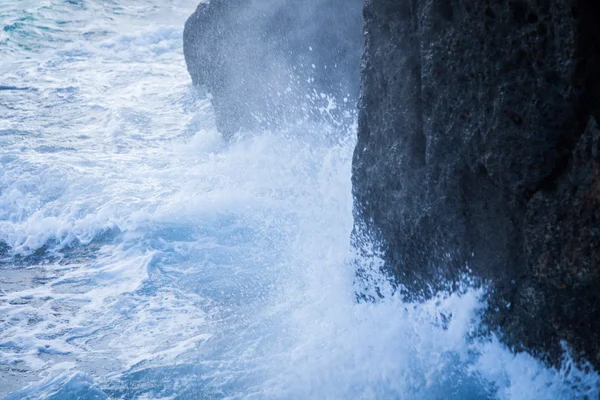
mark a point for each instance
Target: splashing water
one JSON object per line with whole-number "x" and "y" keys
{"x": 150, "y": 260}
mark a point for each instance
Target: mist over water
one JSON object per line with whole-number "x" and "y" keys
{"x": 150, "y": 259}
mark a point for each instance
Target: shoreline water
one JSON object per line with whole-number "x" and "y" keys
{"x": 175, "y": 265}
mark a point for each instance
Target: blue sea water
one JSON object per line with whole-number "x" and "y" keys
{"x": 149, "y": 259}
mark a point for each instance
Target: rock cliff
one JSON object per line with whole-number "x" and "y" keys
{"x": 478, "y": 151}
{"x": 268, "y": 62}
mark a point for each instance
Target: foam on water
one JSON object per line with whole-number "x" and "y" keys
{"x": 151, "y": 260}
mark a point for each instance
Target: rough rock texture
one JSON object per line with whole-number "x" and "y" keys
{"x": 267, "y": 62}
{"x": 477, "y": 149}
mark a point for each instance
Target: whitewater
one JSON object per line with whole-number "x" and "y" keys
{"x": 144, "y": 257}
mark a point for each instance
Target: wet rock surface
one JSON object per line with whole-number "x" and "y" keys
{"x": 478, "y": 151}
{"x": 266, "y": 63}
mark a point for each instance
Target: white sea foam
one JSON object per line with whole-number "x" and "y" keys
{"x": 179, "y": 266}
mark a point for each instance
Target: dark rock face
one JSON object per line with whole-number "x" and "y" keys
{"x": 478, "y": 150}
{"x": 268, "y": 62}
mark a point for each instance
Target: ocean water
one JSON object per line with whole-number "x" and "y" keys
{"x": 143, "y": 257}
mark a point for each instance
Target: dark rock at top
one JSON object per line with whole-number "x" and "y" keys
{"x": 478, "y": 151}
{"x": 268, "y": 62}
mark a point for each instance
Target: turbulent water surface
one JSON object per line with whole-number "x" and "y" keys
{"x": 143, "y": 257}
